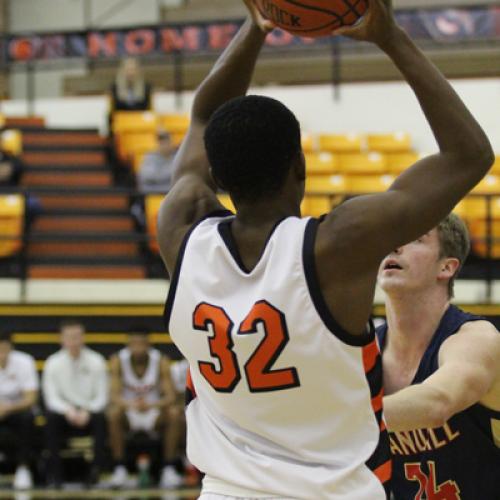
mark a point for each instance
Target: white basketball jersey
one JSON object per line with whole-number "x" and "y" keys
{"x": 285, "y": 403}
{"x": 147, "y": 386}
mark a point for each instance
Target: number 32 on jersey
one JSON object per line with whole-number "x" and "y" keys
{"x": 258, "y": 369}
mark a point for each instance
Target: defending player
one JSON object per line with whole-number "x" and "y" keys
{"x": 441, "y": 374}
{"x": 285, "y": 374}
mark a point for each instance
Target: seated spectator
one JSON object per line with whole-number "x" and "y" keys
{"x": 155, "y": 173}
{"x": 130, "y": 92}
{"x": 10, "y": 169}
{"x": 142, "y": 399}
{"x": 18, "y": 397}
{"x": 75, "y": 389}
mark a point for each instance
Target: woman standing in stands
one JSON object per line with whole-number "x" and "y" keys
{"x": 130, "y": 92}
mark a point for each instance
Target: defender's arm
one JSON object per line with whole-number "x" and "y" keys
{"x": 468, "y": 371}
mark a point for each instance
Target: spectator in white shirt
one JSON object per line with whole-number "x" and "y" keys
{"x": 75, "y": 389}
{"x": 18, "y": 397}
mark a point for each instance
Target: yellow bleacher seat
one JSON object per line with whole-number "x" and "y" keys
{"x": 478, "y": 233}
{"x": 326, "y": 184}
{"x": 370, "y": 163}
{"x": 152, "y": 204}
{"x": 340, "y": 143}
{"x": 398, "y": 162}
{"x": 495, "y": 169}
{"x": 370, "y": 183}
{"x": 12, "y": 142}
{"x": 134, "y": 121}
{"x": 308, "y": 143}
{"x": 130, "y": 143}
{"x": 2, "y": 120}
{"x": 461, "y": 209}
{"x": 321, "y": 163}
{"x": 475, "y": 207}
{"x": 175, "y": 124}
{"x": 177, "y": 139}
{"x": 227, "y": 202}
{"x": 11, "y": 224}
{"x": 489, "y": 185}
{"x": 398, "y": 142}
{"x": 315, "y": 206}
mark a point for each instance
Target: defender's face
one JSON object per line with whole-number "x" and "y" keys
{"x": 414, "y": 266}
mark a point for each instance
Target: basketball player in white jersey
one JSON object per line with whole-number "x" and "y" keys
{"x": 271, "y": 310}
{"x": 143, "y": 399}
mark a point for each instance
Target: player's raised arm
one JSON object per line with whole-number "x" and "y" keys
{"x": 427, "y": 192}
{"x": 193, "y": 192}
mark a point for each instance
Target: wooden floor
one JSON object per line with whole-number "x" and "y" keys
{"x": 184, "y": 494}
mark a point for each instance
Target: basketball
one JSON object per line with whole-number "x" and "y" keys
{"x": 312, "y": 18}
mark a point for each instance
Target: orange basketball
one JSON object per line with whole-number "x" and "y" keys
{"x": 312, "y": 18}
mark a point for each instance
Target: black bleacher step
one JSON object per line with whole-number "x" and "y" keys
{"x": 59, "y": 130}
{"x": 63, "y": 148}
{"x": 95, "y": 211}
{"x": 71, "y": 260}
{"x": 115, "y": 236}
{"x": 70, "y": 169}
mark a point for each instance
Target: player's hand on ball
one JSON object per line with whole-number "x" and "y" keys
{"x": 264, "y": 24}
{"x": 378, "y": 24}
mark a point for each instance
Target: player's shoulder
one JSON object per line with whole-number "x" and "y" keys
{"x": 474, "y": 328}
{"x": 22, "y": 358}
{"x": 94, "y": 357}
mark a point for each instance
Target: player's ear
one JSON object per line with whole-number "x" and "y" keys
{"x": 299, "y": 166}
{"x": 449, "y": 267}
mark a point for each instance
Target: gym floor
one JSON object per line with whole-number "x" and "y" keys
{"x": 185, "y": 494}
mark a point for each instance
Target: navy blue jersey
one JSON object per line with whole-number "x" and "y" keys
{"x": 457, "y": 461}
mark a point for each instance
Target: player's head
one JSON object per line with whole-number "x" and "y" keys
{"x": 138, "y": 341}
{"x": 72, "y": 336}
{"x": 5, "y": 345}
{"x": 253, "y": 146}
{"x": 435, "y": 259}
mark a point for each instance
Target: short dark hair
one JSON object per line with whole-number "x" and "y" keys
{"x": 251, "y": 143}
{"x": 69, "y": 322}
{"x": 6, "y": 336}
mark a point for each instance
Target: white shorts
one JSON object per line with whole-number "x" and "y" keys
{"x": 142, "y": 421}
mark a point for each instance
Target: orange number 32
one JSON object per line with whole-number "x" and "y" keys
{"x": 258, "y": 369}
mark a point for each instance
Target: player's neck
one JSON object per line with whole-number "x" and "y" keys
{"x": 412, "y": 320}
{"x": 266, "y": 212}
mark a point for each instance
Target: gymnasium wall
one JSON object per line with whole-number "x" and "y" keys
{"x": 373, "y": 107}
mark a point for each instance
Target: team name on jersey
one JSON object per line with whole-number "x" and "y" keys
{"x": 408, "y": 443}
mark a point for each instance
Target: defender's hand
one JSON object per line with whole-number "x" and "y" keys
{"x": 258, "y": 19}
{"x": 378, "y": 24}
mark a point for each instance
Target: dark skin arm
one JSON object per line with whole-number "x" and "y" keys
{"x": 355, "y": 237}
{"x": 193, "y": 193}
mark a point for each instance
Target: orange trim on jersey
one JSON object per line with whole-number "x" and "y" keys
{"x": 383, "y": 426}
{"x": 371, "y": 352}
{"x": 377, "y": 401}
{"x": 189, "y": 383}
{"x": 384, "y": 471}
